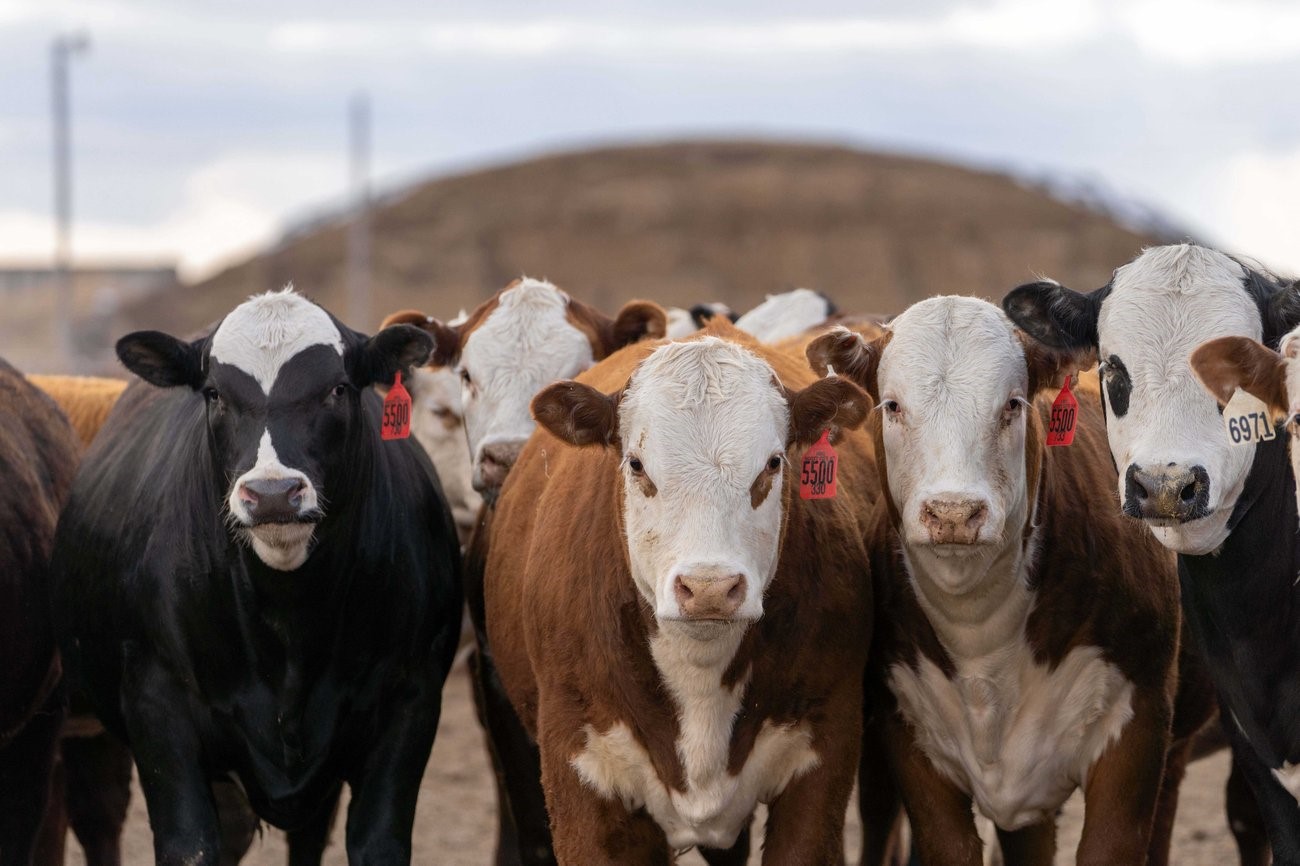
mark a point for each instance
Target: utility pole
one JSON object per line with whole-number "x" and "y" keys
{"x": 61, "y": 51}
{"x": 358, "y": 255}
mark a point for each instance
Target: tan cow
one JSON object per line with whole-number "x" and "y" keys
{"x": 85, "y": 400}
{"x": 682, "y": 633}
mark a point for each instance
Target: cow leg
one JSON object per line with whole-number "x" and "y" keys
{"x": 524, "y": 825}
{"x": 1276, "y": 806}
{"x": 880, "y": 806}
{"x": 307, "y": 843}
{"x": 1034, "y": 845}
{"x": 237, "y": 820}
{"x": 1162, "y": 828}
{"x": 51, "y": 841}
{"x": 942, "y": 818}
{"x": 1245, "y": 820}
{"x": 736, "y": 855}
{"x": 26, "y": 764}
{"x": 98, "y": 794}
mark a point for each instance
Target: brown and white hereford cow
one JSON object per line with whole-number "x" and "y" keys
{"x": 1027, "y": 634}
{"x": 681, "y": 632}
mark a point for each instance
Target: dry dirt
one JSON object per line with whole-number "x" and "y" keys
{"x": 456, "y": 817}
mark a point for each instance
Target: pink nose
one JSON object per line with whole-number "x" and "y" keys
{"x": 954, "y": 521}
{"x": 496, "y": 461}
{"x": 709, "y": 597}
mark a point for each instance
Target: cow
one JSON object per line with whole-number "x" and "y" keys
{"x": 85, "y": 400}
{"x": 679, "y": 630}
{"x": 438, "y": 424}
{"x": 38, "y": 453}
{"x": 682, "y": 323}
{"x": 511, "y": 346}
{"x": 787, "y": 314}
{"x": 1016, "y": 659}
{"x": 1227, "y": 511}
{"x": 252, "y": 584}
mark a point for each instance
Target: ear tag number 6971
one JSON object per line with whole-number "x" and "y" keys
{"x": 1247, "y": 420}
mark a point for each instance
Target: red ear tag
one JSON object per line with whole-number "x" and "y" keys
{"x": 817, "y": 476}
{"x": 397, "y": 411}
{"x": 1065, "y": 411}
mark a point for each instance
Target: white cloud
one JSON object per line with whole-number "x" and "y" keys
{"x": 230, "y": 207}
{"x": 1261, "y": 198}
{"x": 1210, "y": 32}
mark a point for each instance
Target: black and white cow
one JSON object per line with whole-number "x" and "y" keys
{"x": 1228, "y": 511}
{"x": 253, "y": 584}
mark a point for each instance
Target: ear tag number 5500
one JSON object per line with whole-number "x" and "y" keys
{"x": 1246, "y": 420}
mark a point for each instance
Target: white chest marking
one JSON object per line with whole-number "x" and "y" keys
{"x": 1014, "y": 735}
{"x": 715, "y": 805}
{"x": 1289, "y": 775}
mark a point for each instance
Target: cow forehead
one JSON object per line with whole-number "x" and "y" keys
{"x": 265, "y": 332}
{"x": 530, "y": 321}
{"x": 951, "y": 348}
{"x": 705, "y": 404}
{"x": 1169, "y": 300}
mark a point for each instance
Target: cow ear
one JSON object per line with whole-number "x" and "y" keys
{"x": 833, "y": 403}
{"x": 578, "y": 414}
{"x": 638, "y": 320}
{"x": 1054, "y": 315}
{"x": 396, "y": 348}
{"x": 701, "y": 313}
{"x": 1283, "y": 311}
{"x": 446, "y": 338}
{"x": 161, "y": 359}
{"x": 846, "y": 353}
{"x": 1048, "y": 366}
{"x": 1229, "y": 363}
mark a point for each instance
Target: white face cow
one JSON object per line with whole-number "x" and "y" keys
{"x": 786, "y": 315}
{"x": 1229, "y": 363}
{"x": 703, "y": 427}
{"x": 514, "y": 344}
{"x": 1177, "y": 470}
{"x": 282, "y": 381}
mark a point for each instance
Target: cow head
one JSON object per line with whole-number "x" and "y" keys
{"x": 520, "y": 340}
{"x": 1177, "y": 470}
{"x": 959, "y": 441}
{"x": 1229, "y": 363}
{"x": 703, "y": 428}
{"x": 281, "y": 380}
{"x": 786, "y": 314}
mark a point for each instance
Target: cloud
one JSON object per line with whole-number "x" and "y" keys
{"x": 1262, "y": 201}
{"x": 1206, "y": 32}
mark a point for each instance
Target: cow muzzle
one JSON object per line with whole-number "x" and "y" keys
{"x": 954, "y": 520}
{"x": 273, "y": 500}
{"x": 1167, "y": 494}
{"x": 709, "y": 596}
{"x": 494, "y": 464}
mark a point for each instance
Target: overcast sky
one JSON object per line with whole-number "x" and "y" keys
{"x": 203, "y": 128}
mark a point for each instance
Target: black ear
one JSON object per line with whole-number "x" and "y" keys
{"x": 701, "y": 313}
{"x": 161, "y": 359}
{"x": 1054, "y": 315}
{"x": 379, "y": 358}
{"x": 1282, "y": 312}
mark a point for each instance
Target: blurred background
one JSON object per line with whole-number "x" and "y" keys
{"x": 161, "y": 160}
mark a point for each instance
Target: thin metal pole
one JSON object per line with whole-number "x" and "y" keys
{"x": 62, "y": 49}
{"x": 358, "y": 255}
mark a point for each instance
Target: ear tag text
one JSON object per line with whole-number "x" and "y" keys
{"x": 396, "y": 423}
{"x": 1246, "y": 419}
{"x": 1065, "y": 411}
{"x": 817, "y": 475}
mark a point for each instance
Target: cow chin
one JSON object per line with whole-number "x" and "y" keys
{"x": 1196, "y": 537}
{"x": 282, "y": 546}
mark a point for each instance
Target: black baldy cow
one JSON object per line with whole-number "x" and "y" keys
{"x": 1227, "y": 510}
{"x": 253, "y": 584}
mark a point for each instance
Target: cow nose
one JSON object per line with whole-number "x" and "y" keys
{"x": 272, "y": 500}
{"x": 709, "y": 597}
{"x": 495, "y": 463}
{"x": 954, "y": 521}
{"x": 1170, "y": 492}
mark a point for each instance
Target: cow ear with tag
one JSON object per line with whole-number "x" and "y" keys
{"x": 827, "y": 404}
{"x": 378, "y": 359}
{"x": 578, "y": 414}
{"x": 161, "y": 359}
{"x": 1229, "y": 364}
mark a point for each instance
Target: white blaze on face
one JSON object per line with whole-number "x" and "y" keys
{"x": 1161, "y": 307}
{"x": 526, "y": 343}
{"x": 946, "y": 379}
{"x": 785, "y": 315}
{"x": 704, "y": 419}
{"x": 259, "y": 337}
{"x": 437, "y": 421}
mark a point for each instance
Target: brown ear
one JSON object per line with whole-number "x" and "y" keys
{"x": 1049, "y": 366}
{"x": 849, "y": 355}
{"x": 1229, "y": 363}
{"x": 638, "y": 320}
{"x": 446, "y": 339}
{"x": 829, "y": 403}
{"x": 578, "y": 414}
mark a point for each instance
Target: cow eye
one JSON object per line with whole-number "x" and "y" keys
{"x": 635, "y": 464}
{"x": 212, "y": 395}
{"x": 1295, "y": 420}
{"x": 774, "y": 463}
{"x": 892, "y": 407}
{"x": 339, "y": 390}
{"x": 464, "y": 377}
{"x": 1015, "y": 404}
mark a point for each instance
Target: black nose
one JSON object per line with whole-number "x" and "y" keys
{"x": 273, "y": 500}
{"x": 1173, "y": 492}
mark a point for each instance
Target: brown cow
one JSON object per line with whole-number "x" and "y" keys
{"x": 625, "y": 610}
{"x": 38, "y": 456}
{"x": 85, "y": 400}
{"x": 1027, "y": 634}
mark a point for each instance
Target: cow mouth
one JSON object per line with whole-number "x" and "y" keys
{"x": 310, "y": 518}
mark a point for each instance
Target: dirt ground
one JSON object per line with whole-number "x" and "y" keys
{"x": 456, "y": 818}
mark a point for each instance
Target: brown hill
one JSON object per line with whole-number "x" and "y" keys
{"x": 688, "y": 222}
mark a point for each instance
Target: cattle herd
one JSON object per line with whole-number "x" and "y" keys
{"x": 969, "y": 558}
